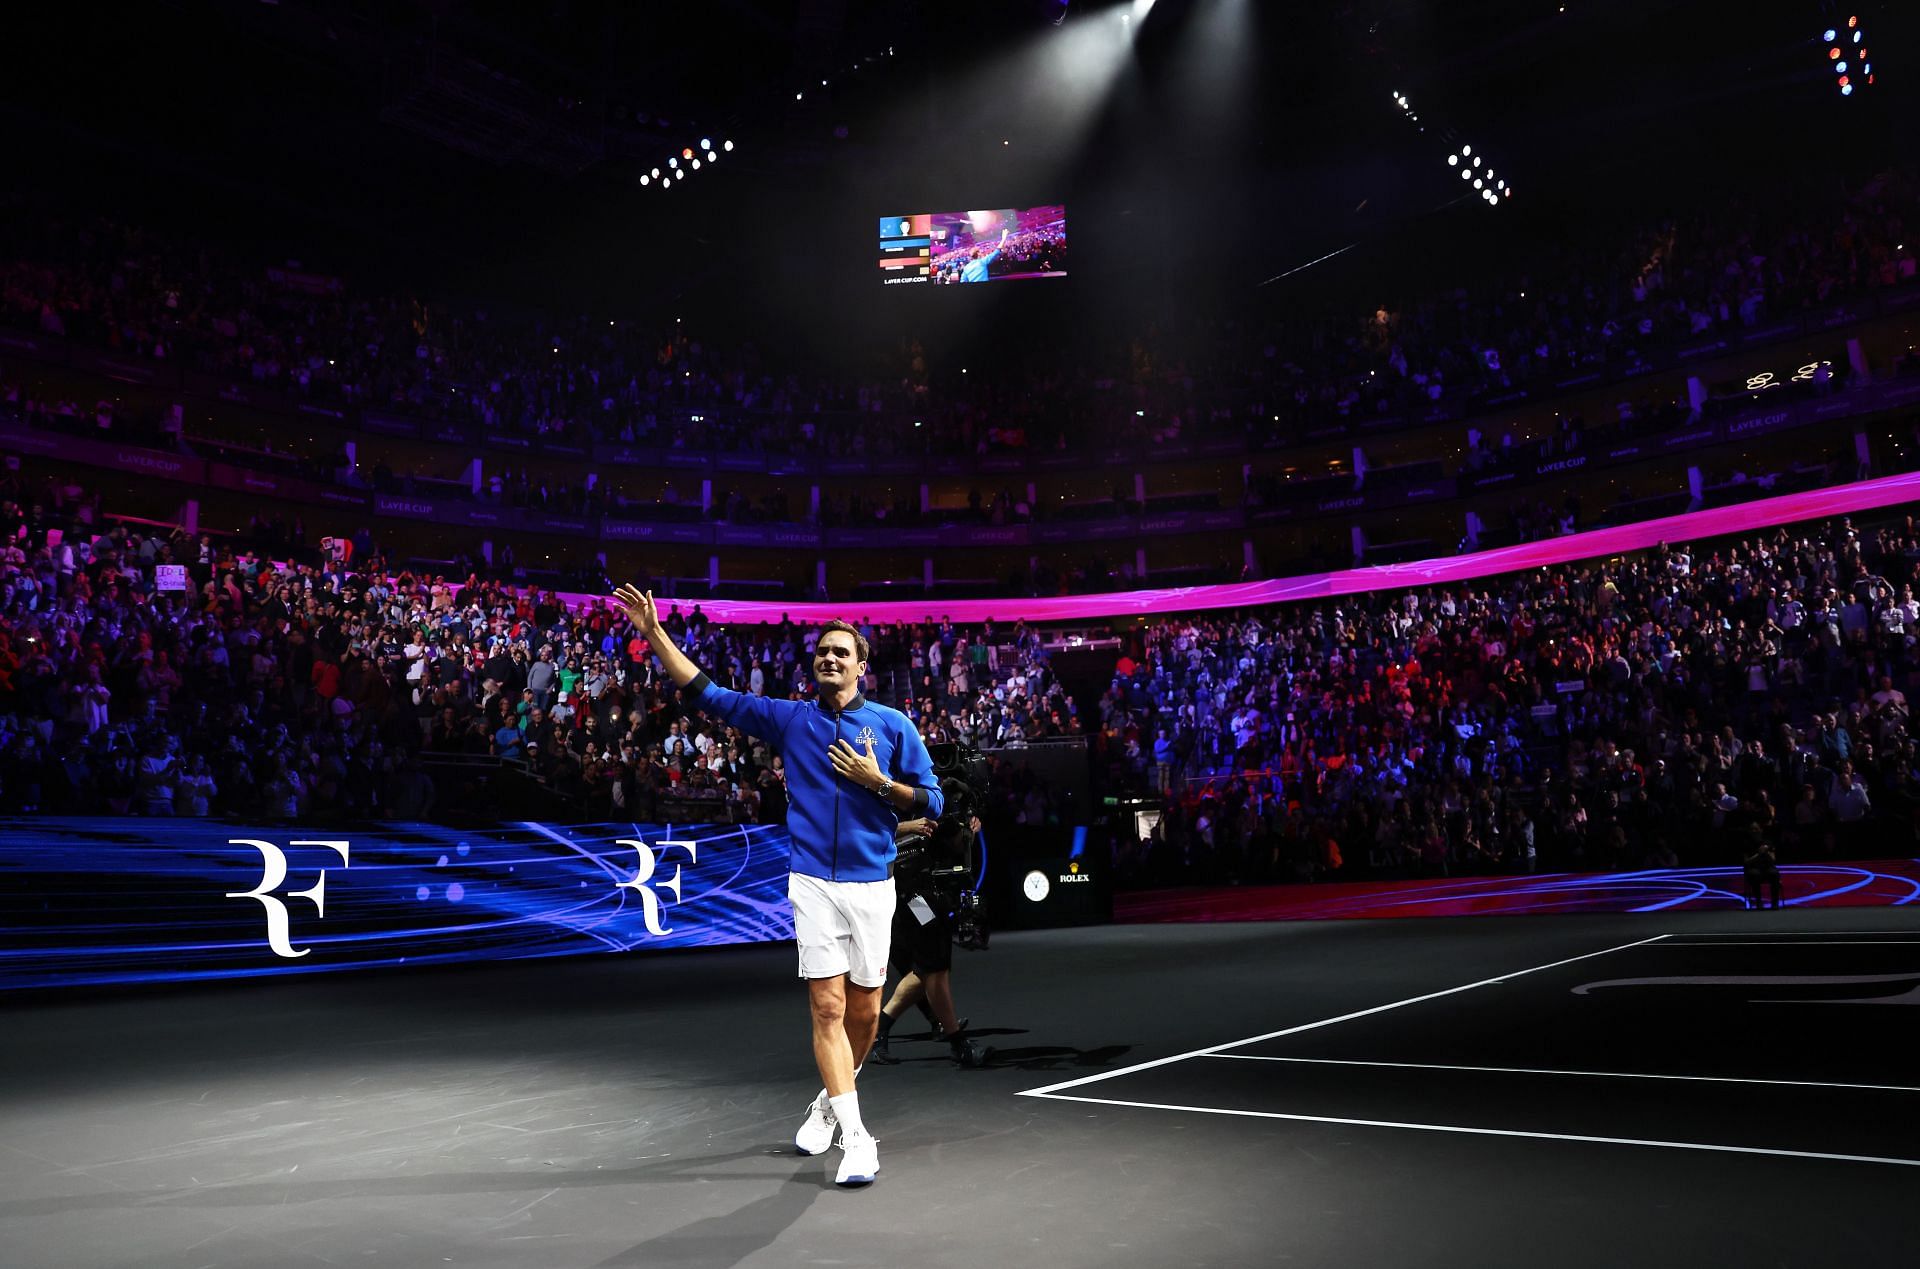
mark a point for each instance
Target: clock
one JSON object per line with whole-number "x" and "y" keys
{"x": 1036, "y": 885}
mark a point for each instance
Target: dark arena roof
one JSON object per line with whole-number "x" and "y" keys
{"x": 1370, "y": 549}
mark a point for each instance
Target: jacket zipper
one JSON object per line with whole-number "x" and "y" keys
{"x": 836, "y": 805}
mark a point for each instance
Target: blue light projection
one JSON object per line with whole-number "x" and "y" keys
{"x": 88, "y": 902}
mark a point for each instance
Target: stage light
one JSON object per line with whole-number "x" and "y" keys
{"x": 1476, "y": 161}
{"x": 655, "y": 174}
{"x": 1466, "y": 173}
{"x": 686, "y": 153}
{"x": 1831, "y": 35}
{"x": 681, "y": 175}
{"x": 1846, "y": 90}
{"x": 797, "y": 96}
{"x": 727, "y": 146}
{"x": 711, "y": 156}
{"x": 1500, "y": 185}
{"x": 705, "y": 144}
{"x": 1844, "y": 81}
{"x": 1465, "y": 150}
{"x": 1857, "y": 35}
{"x": 1842, "y": 68}
{"x": 644, "y": 178}
{"x": 1453, "y": 160}
{"x": 1853, "y": 21}
{"x": 1479, "y": 184}
{"x": 673, "y": 162}
{"x": 696, "y": 165}
{"x": 1833, "y": 54}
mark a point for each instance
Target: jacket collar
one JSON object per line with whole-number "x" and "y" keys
{"x": 858, "y": 702}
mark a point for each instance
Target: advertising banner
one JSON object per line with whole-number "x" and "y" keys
{"x": 183, "y": 900}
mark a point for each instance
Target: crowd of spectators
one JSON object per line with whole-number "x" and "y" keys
{"x": 332, "y": 686}
{"x": 580, "y": 379}
{"x": 1679, "y": 706}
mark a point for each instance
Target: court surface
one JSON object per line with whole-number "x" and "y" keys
{"x": 1664, "y": 1088}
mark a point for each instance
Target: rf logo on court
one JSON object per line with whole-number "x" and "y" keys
{"x": 643, "y": 882}
{"x": 273, "y": 871}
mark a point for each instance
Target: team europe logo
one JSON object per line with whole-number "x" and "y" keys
{"x": 867, "y": 736}
{"x": 273, "y": 871}
{"x": 644, "y": 883}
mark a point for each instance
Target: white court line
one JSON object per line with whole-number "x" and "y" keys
{"x": 1528, "y": 1070}
{"x": 1498, "y": 1132}
{"x": 1051, "y": 1089}
{"x": 1801, "y": 943}
{"x": 1782, "y": 934}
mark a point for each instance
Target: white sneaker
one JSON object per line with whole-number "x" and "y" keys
{"x": 860, "y": 1159}
{"x": 816, "y": 1134}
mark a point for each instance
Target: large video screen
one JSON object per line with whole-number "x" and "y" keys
{"x": 951, "y": 248}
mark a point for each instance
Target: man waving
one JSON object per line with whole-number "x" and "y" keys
{"x": 853, "y": 769}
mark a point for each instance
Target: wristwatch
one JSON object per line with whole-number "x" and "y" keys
{"x": 886, "y": 788}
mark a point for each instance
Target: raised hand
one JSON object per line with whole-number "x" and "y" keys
{"x": 640, "y": 609}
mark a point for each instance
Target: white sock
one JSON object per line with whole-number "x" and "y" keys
{"x": 846, "y": 1111}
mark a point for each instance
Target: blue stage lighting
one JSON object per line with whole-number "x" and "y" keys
{"x": 1846, "y": 90}
{"x": 1828, "y": 37}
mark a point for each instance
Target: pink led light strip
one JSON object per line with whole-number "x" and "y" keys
{"x": 1814, "y": 504}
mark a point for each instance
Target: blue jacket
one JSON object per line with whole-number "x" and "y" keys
{"x": 840, "y": 831}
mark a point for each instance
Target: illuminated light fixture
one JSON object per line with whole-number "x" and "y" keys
{"x": 705, "y": 144}
{"x": 1846, "y": 90}
{"x": 1466, "y": 173}
{"x": 798, "y": 96}
{"x": 1853, "y": 21}
{"x": 1509, "y": 191}
{"x": 1453, "y": 160}
{"x": 1844, "y": 81}
{"x": 1831, "y": 35}
{"x": 1479, "y": 184}
{"x": 1500, "y": 185}
{"x": 644, "y": 179}
{"x": 727, "y": 146}
{"x": 673, "y": 162}
{"x": 655, "y": 174}
{"x": 711, "y": 156}
{"x": 681, "y": 175}
{"x": 687, "y": 153}
{"x": 1833, "y": 54}
{"x": 1857, "y": 35}
{"x": 1842, "y": 68}
{"x": 696, "y": 165}
{"x": 1466, "y": 150}
{"x": 1476, "y": 161}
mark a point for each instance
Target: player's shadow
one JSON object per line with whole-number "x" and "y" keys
{"x": 1058, "y": 1057}
{"x": 727, "y": 1238}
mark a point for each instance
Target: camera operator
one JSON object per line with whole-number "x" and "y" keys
{"x": 934, "y": 862}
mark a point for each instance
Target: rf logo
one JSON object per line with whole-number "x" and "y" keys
{"x": 273, "y": 871}
{"x": 644, "y": 883}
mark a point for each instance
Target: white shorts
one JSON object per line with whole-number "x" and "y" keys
{"x": 842, "y": 927}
